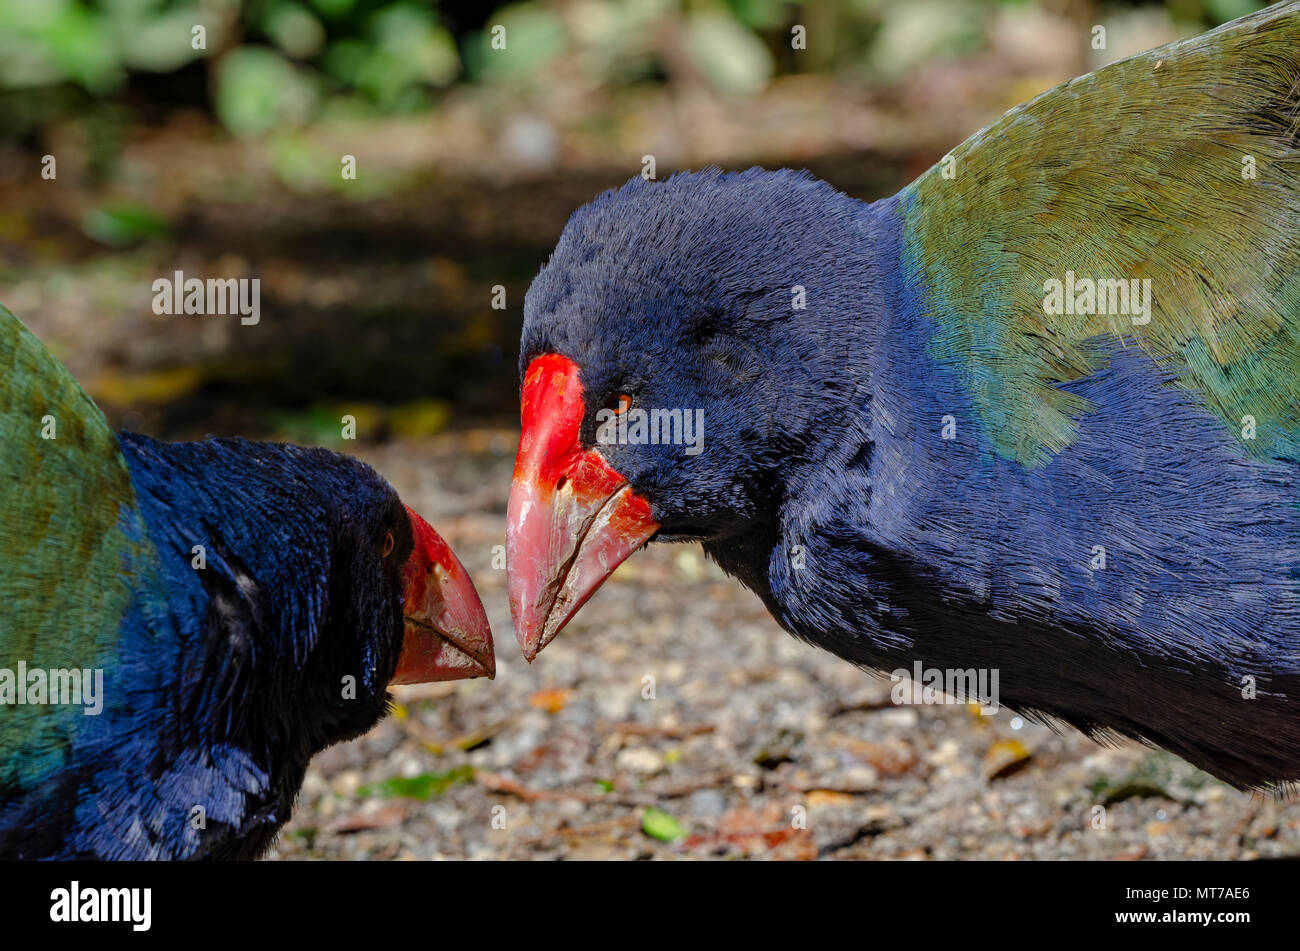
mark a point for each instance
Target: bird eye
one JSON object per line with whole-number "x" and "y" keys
{"x": 619, "y": 404}
{"x": 389, "y": 542}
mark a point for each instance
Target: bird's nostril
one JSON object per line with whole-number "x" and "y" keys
{"x": 559, "y": 486}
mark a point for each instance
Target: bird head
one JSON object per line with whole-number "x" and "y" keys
{"x": 317, "y": 575}
{"x": 396, "y": 591}
{"x": 663, "y": 389}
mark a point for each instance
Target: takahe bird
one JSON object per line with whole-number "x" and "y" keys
{"x": 1038, "y": 413}
{"x": 184, "y": 625}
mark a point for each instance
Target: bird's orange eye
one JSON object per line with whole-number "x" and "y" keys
{"x": 619, "y": 404}
{"x": 389, "y": 542}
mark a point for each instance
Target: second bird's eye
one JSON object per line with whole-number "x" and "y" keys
{"x": 387, "y": 548}
{"x": 619, "y": 404}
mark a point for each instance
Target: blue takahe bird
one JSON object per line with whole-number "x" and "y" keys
{"x": 183, "y": 626}
{"x": 1036, "y": 414}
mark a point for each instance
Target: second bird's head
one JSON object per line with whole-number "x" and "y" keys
{"x": 673, "y": 366}
{"x": 317, "y": 577}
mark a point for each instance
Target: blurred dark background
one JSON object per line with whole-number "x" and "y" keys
{"x": 377, "y": 291}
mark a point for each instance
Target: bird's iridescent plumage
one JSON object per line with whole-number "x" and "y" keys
{"x": 1181, "y": 166}
{"x": 923, "y": 462}
{"x": 243, "y": 603}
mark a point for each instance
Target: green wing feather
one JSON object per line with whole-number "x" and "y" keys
{"x": 1141, "y": 170}
{"x": 70, "y": 538}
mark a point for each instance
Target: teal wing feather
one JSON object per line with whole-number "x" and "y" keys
{"x": 72, "y": 544}
{"x": 1181, "y": 167}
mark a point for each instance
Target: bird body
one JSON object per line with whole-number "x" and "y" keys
{"x": 1036, "y": 414}
{"x": 208, "y": 601}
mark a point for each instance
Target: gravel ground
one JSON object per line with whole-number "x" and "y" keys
{"x": 753, "y": 744}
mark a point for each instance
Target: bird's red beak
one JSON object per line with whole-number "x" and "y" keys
{"x": 572, "y": 519}
{"x": 447, "y": 635}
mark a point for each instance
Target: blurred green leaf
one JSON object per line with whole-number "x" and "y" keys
{"x": 660, "y": 825}
{"x": 121, "y": 224}
{"x": 77, "y": 40}
{"x": 733, "y": 59}
{"x": 156, "y": 40}
{"x": 258, "y": 90}
{"x": 405, "y": 51}
{"x": 334, "y": 9}
{"x": 534, "y": 36}
{"x": 345, "y": 59}
{"x": 913, "y": 35}
{"x": 413, "y": 38}
{"x": 294, "y": 30}
{"x": 759, "y": 14}
{"x": 424, "y": 786}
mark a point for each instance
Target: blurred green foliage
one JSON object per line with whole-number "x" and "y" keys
{"x": 264, "y": 65}
{"x": 121, "y": 224}
{"x": 423, "y": 786}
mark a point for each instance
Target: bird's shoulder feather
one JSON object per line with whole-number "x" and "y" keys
{"x": 1181, "y": 167}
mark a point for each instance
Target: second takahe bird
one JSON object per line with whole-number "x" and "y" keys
{"x": 183, "y": 626}
{"x": 1038, "y": 413}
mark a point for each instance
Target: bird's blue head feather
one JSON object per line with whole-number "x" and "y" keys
{"x": 714, "y": 291}
{"x": 297, "y": 568}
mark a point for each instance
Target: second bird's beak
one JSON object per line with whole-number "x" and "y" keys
{"x": 447, "y": 635}
{"x": 572, "y": 519}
